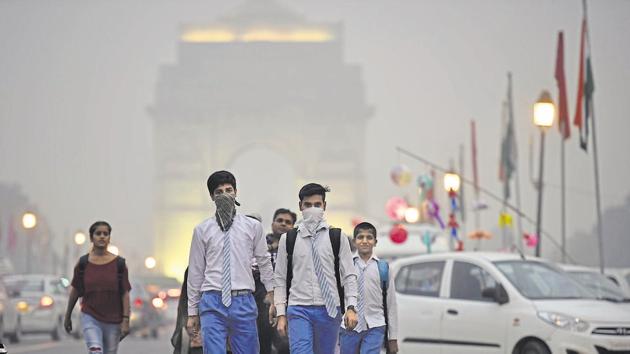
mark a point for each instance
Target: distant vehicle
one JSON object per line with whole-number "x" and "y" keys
{"x": 414, "y": 245}
{"x": 40, "y": 302}
{"x": 599, "y": 284}
{"x": 621, "y": 277}
{"x": 165, "y": 292}
{"x": 145, "y": 319}
{"x": 491, "y": 303}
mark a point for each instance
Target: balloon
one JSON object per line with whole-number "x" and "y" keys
{"x": 531, "y": 240}
{"x": 398, "y": 234}
{"x": 395, "y": 208}
{"x": 401, "y": 175}
{"x": 434, "y": 212}
{"x": 425, "y": 183}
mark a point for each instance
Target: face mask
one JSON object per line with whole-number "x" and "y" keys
{"x": 312, "y": 218}
{"x": 226, "y": 209}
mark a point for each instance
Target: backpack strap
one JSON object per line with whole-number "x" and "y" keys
{"x": 291, "y": 237}
{"x": 120, "y": 266}
{"x": 83, "y": 261}
{"x": 335, "y": 241}
{"x": 383, "y": 272}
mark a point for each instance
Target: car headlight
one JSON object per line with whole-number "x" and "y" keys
{"x": 567, "y": 322}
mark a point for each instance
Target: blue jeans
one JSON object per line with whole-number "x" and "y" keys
{"x": 311, "y": 330}
{"x": 100, "y": 337}
{"x": 237, "y": 321}
{"x": 365, "y": 342}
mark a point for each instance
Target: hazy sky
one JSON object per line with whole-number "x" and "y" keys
{"x": 76, "y": 78}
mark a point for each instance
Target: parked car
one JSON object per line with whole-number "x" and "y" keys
{"x": 5, "y": 309}
{"x": 621, "y": 277}
{"x": 40, "y": 302}
{"x": 501, "y": 303}
{"x": 599, "y": 284}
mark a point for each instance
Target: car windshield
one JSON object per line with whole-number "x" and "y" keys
{"x": 537, "y": 281}
{"x": 20, "y": 285}
{"x": 601, "y": 286}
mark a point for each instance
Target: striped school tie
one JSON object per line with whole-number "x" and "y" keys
{"x": 226, "y": 279}
{"x": 361, "y": 324}
{"x": 329, "y": 301}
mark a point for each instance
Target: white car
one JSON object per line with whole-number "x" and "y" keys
{"x": 599, "y": 284}
{"x": 621, "y": 277}
{"x": 501, "y": 303}
{"x": 40, "y": 301}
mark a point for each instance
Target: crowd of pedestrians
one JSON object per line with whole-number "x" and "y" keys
{"x": 299, "y": 289}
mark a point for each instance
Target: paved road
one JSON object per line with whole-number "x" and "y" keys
{"x": 131, "y": 345}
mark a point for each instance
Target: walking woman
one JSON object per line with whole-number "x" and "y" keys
{"x": 101, "y": 280}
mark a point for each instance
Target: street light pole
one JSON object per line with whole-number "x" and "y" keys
{"x": 544, "y": 112}
{"x": 29, "y": 221}
{"x": 540, "y": 190}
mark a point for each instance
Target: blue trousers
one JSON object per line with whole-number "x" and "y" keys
{"x": 365, "y": 342}
{"x": 311, "y": 330}
{"x": 237, "y": 321}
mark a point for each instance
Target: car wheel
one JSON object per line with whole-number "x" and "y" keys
{"x": 56, "y": 332}
{"x": 534, "y": 347}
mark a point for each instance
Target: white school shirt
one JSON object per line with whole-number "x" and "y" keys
{"x": 305, "y": 289}
{"x": 205, "y": 262}
{"x": 373, "y": 303}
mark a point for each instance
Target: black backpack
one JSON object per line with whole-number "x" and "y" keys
{"x": 335, "y": 240}
{"x": 83, "y": 261}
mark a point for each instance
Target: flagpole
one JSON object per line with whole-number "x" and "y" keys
{"x": 519, "y": 224}
{"x": 600, "y": 231}
{"x": 473, "y": 131}
{"x": 600, "y": 226}
{"x": 462, "y": 212}
{"x": 563, "y": 221}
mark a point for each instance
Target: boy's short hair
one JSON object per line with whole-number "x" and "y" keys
{"x": 364, "y": 226}
{"x": 313, "y": 189}
{"x": 218, "y": 178}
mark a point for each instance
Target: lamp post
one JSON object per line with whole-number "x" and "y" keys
{"x": 544, "y": 112}
{"x": 452, "y": 182}
{"x": 29, "y": 222}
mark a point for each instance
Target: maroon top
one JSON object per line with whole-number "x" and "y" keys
{"x": 101, "y": 298}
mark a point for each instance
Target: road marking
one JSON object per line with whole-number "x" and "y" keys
{"x": 31, "y": 348}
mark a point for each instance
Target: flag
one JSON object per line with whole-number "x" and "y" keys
{"x": 507, "y": 164}
{"x": 586, "y": 87}
{"x": 563, "y": 110}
